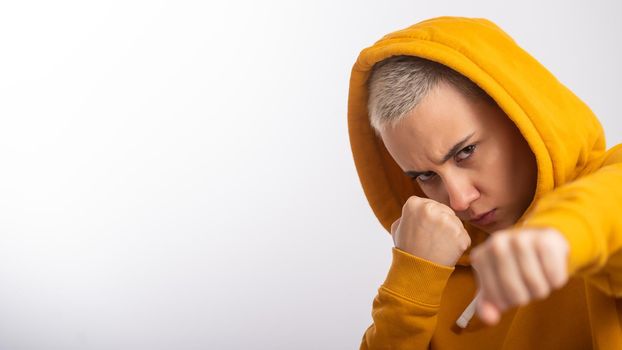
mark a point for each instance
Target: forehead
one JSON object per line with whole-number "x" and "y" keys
{"x": 443, "y": 116}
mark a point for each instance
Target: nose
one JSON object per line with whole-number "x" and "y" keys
{"x": 461, "y": 192}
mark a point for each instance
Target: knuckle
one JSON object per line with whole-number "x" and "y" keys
{"x": 501, "y": 238}
{"x": 409, "y": 205}
{"x": 429, "y": 207}
{"x": 466, "y": 240}
{"x": 520, "y": 244}
{"x": 544, "y": 242}
{"x": 498, "y": 247}
{"x": 465, "y": 245}
{"x": 445, "y": 219}
{"x": 540, "y": 242}
{"x": 412, "y": 200}
{"x": 412, "y": 203}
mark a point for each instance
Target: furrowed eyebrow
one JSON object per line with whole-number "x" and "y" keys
{"x": 455, "y": 149}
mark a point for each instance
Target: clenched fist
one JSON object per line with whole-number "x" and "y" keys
{"x": 430, "y": 230}
{"x": 517, "y": 266}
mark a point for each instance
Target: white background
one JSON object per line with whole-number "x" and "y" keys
{"x": 178, "y": 175}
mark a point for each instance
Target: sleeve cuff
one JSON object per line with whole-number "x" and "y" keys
{"x": 417, "y": 279}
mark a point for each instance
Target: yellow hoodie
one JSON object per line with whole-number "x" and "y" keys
{"x": 579, "y": 192}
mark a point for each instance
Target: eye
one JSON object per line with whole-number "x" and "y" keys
{"x": 423, "y": 177}
{"x": 468, "y": 150}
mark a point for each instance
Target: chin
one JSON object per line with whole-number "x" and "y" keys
{"x": 489, "y": 229}
{"x": 503, "y": 226}
{"x": 494, "y": 226}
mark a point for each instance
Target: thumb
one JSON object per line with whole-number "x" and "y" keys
{"x": 487, "y": 311}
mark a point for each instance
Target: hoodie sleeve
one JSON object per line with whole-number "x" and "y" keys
{"x": 588, "y": 212}
{"x": 405, "y": 309}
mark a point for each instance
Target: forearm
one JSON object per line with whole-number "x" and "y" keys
{"x": 588, "y": 213}
{"x": 406, "y": 307}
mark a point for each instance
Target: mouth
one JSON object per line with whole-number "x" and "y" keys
{"x": 484, "y": 219}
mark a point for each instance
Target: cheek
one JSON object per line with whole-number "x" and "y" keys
{"x": 507, "y": 180}
{"x": 496, "y": 180}
{"x": 510, "y": 184}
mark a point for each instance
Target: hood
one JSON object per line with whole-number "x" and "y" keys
{"x": 562, "y": 131}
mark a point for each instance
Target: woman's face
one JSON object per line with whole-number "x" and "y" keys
{"x": 492, "y": 166}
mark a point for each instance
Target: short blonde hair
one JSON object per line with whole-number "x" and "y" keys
{"x": 397, "y": 84}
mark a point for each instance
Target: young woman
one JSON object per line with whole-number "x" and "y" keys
{"x": 495, "y": 184}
